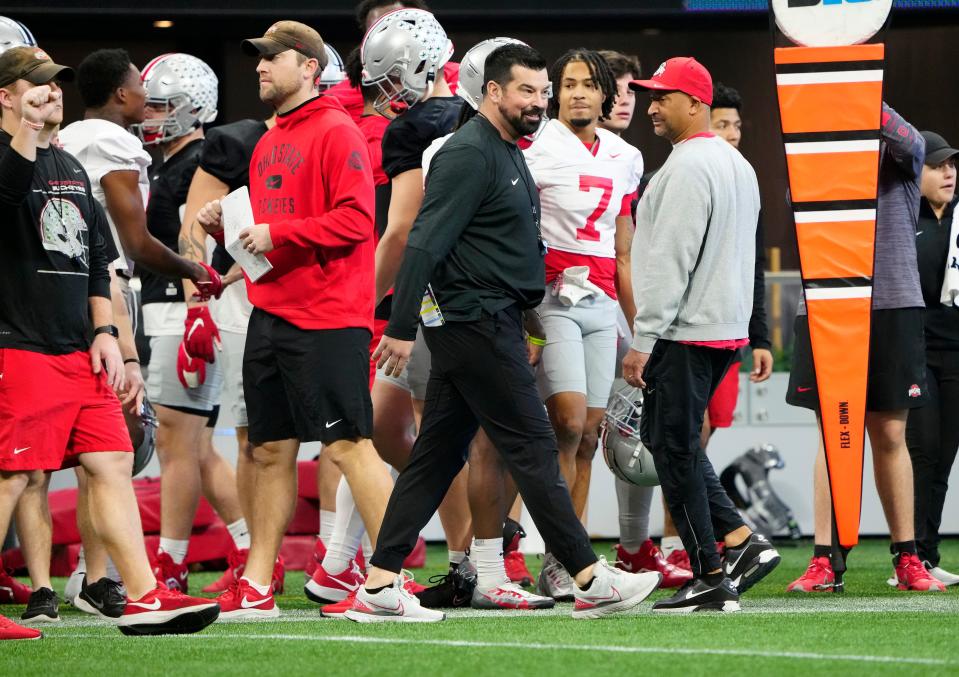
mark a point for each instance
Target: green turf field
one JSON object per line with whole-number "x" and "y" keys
{"x": 872, "y": 629}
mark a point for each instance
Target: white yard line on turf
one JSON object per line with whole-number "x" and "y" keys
{"x": 456, "y": 643}
{"x": 799, "y": 605}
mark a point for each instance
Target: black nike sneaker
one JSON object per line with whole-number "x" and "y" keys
{"x": 105, "y": 598}
{"x": 698, "y": 595}
{"x": 749, "y": 563}
{"x": 452, "y": 590}
{"x": 43, "y": 607}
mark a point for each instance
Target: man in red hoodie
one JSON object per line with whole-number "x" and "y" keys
{"x": 306, "y": 365}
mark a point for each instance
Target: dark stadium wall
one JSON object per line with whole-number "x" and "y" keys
{"x": 736, "y": 49}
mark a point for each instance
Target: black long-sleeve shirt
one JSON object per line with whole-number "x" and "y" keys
{"x": 53, "y": 253}
{"x": 476, "y": 238}
{"x": 932, "y": 247}
{"x": 758, "y": 329}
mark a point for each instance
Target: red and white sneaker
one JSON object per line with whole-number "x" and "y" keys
{"x": 278, "y": 581}
{"x": 324, "y": 587}
{"x": 679, "y": 559}
{"x": 173, "y": 576}
{"x": 912, "y": 575}
{"x": 12, "y": 591}
{"x": 235, "y": 564}
{"x": 516, "y": 568}
{"x": 10, "y": 630}
{"x": 509, "y": 596}
{"x": 650, "y": 558}
{"x": 391, "y": 604}
{"x": 338, "y": 609}
{"x": 242, "y": 601}
{"x": 417, "y": 558}
{"x": 819, "y": 577}
{"x": 319, "y": 552}
{"x": 167, "y": 612}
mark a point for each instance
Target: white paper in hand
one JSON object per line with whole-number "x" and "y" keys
{"x": 237, "y": 215}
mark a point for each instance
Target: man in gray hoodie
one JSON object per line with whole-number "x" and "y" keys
{"x": 693, "y": 257}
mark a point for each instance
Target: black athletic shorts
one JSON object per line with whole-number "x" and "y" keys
{"x": 311, "y": 385}
{"x": 897, "y": 363}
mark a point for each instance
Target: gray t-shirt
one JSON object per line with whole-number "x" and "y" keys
{"x": 896, "y": 270}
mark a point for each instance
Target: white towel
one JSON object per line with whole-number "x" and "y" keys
{"x": 950, "y": 282}
{"x": 573, "y": 286}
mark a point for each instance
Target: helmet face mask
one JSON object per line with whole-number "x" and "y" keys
{"x": 185, "y": 89}
{"x": 623, "y": 450}
{"x": 402, "y": 55}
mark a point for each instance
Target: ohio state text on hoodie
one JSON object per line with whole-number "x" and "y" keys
{"x": 311, "y": 180}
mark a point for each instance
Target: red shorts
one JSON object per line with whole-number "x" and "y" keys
{"x": 723, "y": 402}
{"x": 53, "y": 408}
{"x": 379, "y": 326}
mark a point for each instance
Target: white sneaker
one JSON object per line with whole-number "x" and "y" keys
{"x": 393, "y": 604}
{"x": 554, "y": 581}
{"x": 509, "y": 596}
{"x": 613, "y": 591}
{"x": 942, "y": 575}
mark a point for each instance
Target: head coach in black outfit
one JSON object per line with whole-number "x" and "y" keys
{"x": 476, "y": 244}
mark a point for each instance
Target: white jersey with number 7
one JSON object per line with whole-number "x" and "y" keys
{"x": 581, "y": 194}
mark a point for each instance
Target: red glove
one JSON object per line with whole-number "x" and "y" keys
{"x": 208, "y": 290}
{"x": 201, "y": 334}
{"x": 190, "y": 370}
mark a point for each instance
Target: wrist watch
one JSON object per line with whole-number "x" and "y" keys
{"x": 110, "y": 329}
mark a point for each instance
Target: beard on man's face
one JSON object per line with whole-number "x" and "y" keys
{"x": 526, "y": 121}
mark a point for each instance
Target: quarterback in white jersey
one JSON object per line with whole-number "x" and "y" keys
{"x": 587, "y": 178}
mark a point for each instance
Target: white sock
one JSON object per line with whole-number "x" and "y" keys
{"x": 176, "y": 549}
{"x": 634, "y": 503}
{"x": 669, "y": 544}
{"x": 347, "y": 531}
{"x": 112, "y": 573}
{"x": 367, "y": 546}
{"x": 262, "y": 589}
{"x": 327, "y": 519}
{"x": 240, "y": 534}
{"x": 487, "y": 554}
{"x": 456, "y": 556}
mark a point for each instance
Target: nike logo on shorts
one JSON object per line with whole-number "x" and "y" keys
{"x": 330, "y": 425}
{"x": 20, "y": 451}
{"x": 800, "y": 389}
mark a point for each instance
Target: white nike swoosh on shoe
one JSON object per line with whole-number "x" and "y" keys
{"x": 245, "y": 603}
{"x": 348, "y": 586}
{"x": 693, "y": 595}
{"x": 149, "y": 607}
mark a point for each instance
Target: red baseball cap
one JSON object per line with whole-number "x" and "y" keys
{"x": 680, "y": 74}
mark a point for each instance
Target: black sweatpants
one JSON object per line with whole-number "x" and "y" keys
{"x": 480, "y": 377}
{"x": 680, "y": 379}
{"x": 932, "y": 434}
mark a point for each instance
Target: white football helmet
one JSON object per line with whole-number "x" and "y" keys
{"x": 402, "y": 54}
{"x": 334, "y": 73}
{"x": 186, "y": 87}
{"x": 471, "y": 82}
{"x": 14, "y": 34}
{"x": 624, "y": 452}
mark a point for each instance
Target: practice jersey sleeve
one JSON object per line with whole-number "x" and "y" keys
{"x": 117, "y": 153}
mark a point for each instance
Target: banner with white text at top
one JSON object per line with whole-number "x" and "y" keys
{"x": 830, "y": 102}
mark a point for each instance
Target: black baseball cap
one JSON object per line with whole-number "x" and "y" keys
{"x": 938, "y": 149}
{"x": 284, "y": 35}
{"x": 33, "y": 65}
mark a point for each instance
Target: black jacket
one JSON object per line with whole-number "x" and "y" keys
{"x": 476, "y": 239}
{"x": 932, "y": 248}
